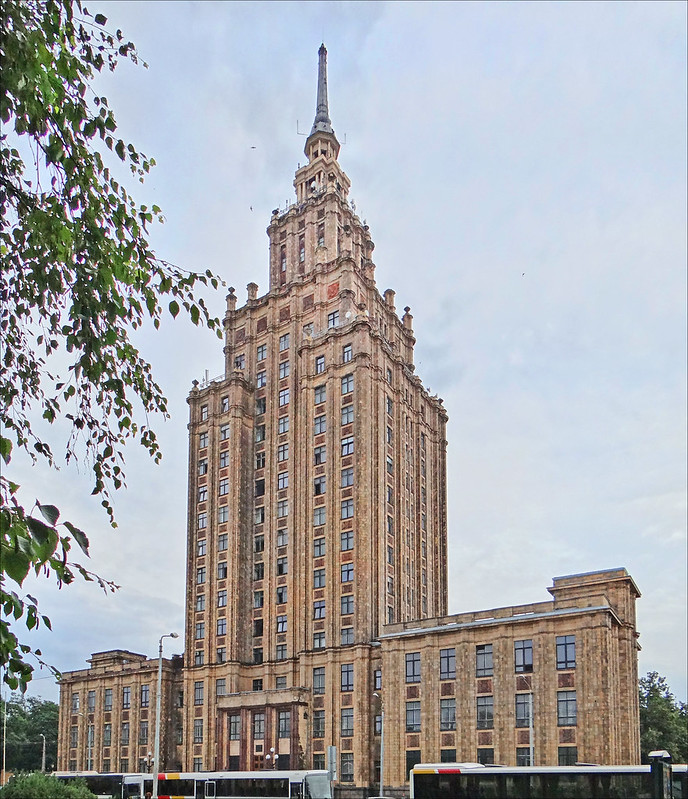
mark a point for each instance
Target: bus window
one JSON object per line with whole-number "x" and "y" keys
{"x": 209, "y": 790}
{"x": 295, "y": 790}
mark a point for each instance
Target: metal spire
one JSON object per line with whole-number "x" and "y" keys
{"x": 322, "y": 122}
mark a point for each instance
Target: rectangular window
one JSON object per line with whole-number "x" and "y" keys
{"x": 257, "y": 656}
{"x": 221, "y": 654}
{"x": 566, "y": 709}
{"x": 145, "y": 696}
{"x": 283, "y": 425}
{"x": 302, "y": 249}
{"x": 483, "y": 660}
{"x": 220, "y": 687}
{"x": 318, "y": 640}
{"x": 413, "y": 667}
{"x": 284, "y": 369}
{"x": 261, "y": 352}
{"x": 91, "y": 701}
{"x": 222, "y": 542}
{"x": 347, "y": 414}
{"x": 523, "y": 705}
{"x": 126, "y": 698}
{"x": 377, "y": 680}
{"x": 257, "y": 628}
{"x": 567, "y": 755}
{"x": 284, "y": 342}
{"x": 224, "y": 432}
{"x": 224, "y": 487}
{"x": 202, "y": 520}
{"x": 319, "y": 364}
{"x": 485, "y": 712}
{"x": 282, "y": 565}
{"x": 390, "y": 465}
{"x": 234, "y": 727}
{"x": 319, "y": 578}
{"x": 347, "y": 677}
{"x": 202, "y": 493}
{"x": 282, "y": 624}
{"x": 199, "y": 657}
{"x": 282, "y": 508}
{"x": 222, "y": 626}
{"x": 107, "y": 705}
{"x": 346, "y": 540}
{"x": 390, "y": 405}
{"x": 318, "y": 723}
{"x": 261, "y": 379}
{"x": 224, "y": 404}
{"x": 258, "y": 599}
{"x": 523, "y": 756}
{"x": 319, "y": 485}
{"x": 390, "y": 555}
{"x": 447, "y": 664}
{"x": 566, "y": 652}
{"x": 319, "y": 516}
{"x": 319, "y": 680}
{"x": 284, "y": 724}
{"x": 413, "y": 717}
{"x": 259, "y": 515}
{"x": 258, "y": 571}
{"x": 485, "y": 756}
{"x": 333, "y": 319}
{"x": 223, "y": 514}
{"x": 261, "y": 405}
{"x": 318, "y": 547}
{"x": 224, "y": 458}
{"x": 320, "y": 394}
{"x": 347, "y": 509}
{"x": 204, "y": 413}
{"x": 319, "y": 455}
{"x": 447, "y": 714}
{"x": 282, "y": 452}
{"x": 319, "y": 609}
{"x": 197, "y": 764}
{"x": 260, "y": 459}
{"x": 240, "y": 361}
{"x": 348, "y": 445}
{"x": 198, "y": 693}
{"x": 283, "y": 397}
{"x": 107, "y": 735}
{"x": 280, "y": 682}
{"x": 282, "y": 537}
{"x": 347, "y": 353}
{"x": 347, "y": 721}
{"x": 281, "y": 594}
{"x": 203, "y": 440}
{"x": 347, "y": 570}
{"x": 124, "y": 734}
{"x": 347, "y": 604}
{"x": 320, "y": 424}
{"x": 347, "y": 766}
{"x": 258, "y": 543}
{"x": 260, "y": 433}
{"x": 259, "y": 726}
{"x": 282, "y": 480}
{"x": 222, "y": 570}
{"x": 347, "y": 384}
{"x": 347, "y": 636}
{"x": 143, "y": 732}
{"x": 347, "y": 477}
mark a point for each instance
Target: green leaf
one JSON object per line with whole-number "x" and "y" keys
{"x": 5, "y": 449}
{"x": 174, "y": 308}
{"x": 40, "y": 531}
{"x": 79, "y": 536}
{"x": 50, "y": 513}
{"x": 16, "y": 565}
{"x": 100, "y": 19}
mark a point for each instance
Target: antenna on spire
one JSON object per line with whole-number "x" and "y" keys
{"x": 322, "y": 122}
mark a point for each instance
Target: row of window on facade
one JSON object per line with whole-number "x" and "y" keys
{"x": 144, "y": 699}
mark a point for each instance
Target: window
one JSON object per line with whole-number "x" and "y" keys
{"x": 240, "y": 361}
{"x": 447, "y": 714}
{"x": 319, "y": 364}
{"x": 318, "y": 640}
{"x": 202, "y": 493}
{"x": 259, "y": 725}
{"x": 333, "y": 319}
{"x": 347, "y": 721}
{"x": 203, "y": 440}
{"x": 200, "y": 548}
{"x": 280, "y": 682}
{"x": 483, "y": 660}
{"x": 91, "y": 701}
{"x": 257, "y": 685}
{"x": 377, "y": 680}
{"x": 258, "y": 571}
{"x": 257, "y": 656}
{"x": 390, "y": 588}
{"x": 200, "y": 630}
{"x": 413, "y": 667}
{"x": 261, "y": 405}
{"x": 145, "y": 697}
{"x": 320, "y": 394}
{"x": 261, "y": 379}
{"x": 346, "y": 772}
{"x": 258, "y": 543}
{"x": 319, "y": 680}
{"x": 225, "y": 404}
{"x": 124, "y": 734}
{"x": 485, "y": 756}
{"x": 199, "y": 657}
{"x": 390, "y": 405}
{"x": 390, "y": 435}
{"x": 282, "y": 508}
{"x": 261, "y": 352}
{"x": 347, "y": 571}
{"x": 221, "y": 654}
{"x": 107, "y": 705}
{"x": 224, "y": 432}
{"x": 319, "y": 485}
{"x": 284, "y": 369}
{"x": 522, "y": 756}
{"x": 566, "y": 652}
{"x": 566, "y": 708}
{"x": 260, "y": 433}
{"x": 447, "y": 664}
{"x": 282, "y": 537}
{"x": 347, "y": 511}
{"x": 202, "y": 520}
{"x": 220, "y": 687}
{"x": 282, "y": 565}
{"x": 222, "y": 542}
{"x": 283, "y": 424}
{"x": 143, "y": 732}
{"x": 523, "y": 705}
{"x": 347, "y": 677}
{"x": 320, "y": 425}
{"x": 347, "y": 384}
{"x": 485, "y": 712}
{"x": 347, "y": 636}
{"x": 222, "y": 570}
{"x": 390, "y": 465}
{"x": 281, "y": 594}
{"x": 567, "y": 755}
{"x": 234, "y": 727}
{"x": 318, "y": 547}
{"x": 224, "y": 457}
{"x": 319, "y": 609}
{"x": 319, "y": 578}
{"x": 284, "y": 342}
{"x": 204, "y": 413}
{"x": 319, "y": 455}
{"x": 390, "y": 555}
{"x": 282, "y": 480}
{"x": 283, "y": 397}
{"x": 346, "y": 539}
{"x": 347, "y": 414}
{"x": 126, "y": 698}
{"x": 282, "y": 624}
{"x": 347, "y": 353}
{"x": 258, "y": 599}
{"x": 260, "y": 459}
{"x": 197, "y": 764}
{"x": 284, "y": 724}
{"x": 282, "y": 452}
{"x": 222, "y": 626}
{"x": 347, "y": 477}
{"x": 318, "y": 723}
{"x": 107, "y": 735}
{"x": 257, "y": 628}
{"x": 413, "y": 717}
{"x": 319, "y": 516}
{"x": 302, "y": 249}
{"x": 259, "y": 515}
{"x": 348, "y": 445}
{"x": 223, "y": 514}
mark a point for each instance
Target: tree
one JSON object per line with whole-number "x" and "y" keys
{"x": 77, "y": 276}
{"x": 663, "y": 720}
{"x": 43, "y": 786}
{"x": 28, "y": 718}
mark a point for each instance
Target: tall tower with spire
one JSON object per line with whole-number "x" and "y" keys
{"x": 317, "y": 492}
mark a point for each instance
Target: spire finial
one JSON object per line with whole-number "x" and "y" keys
{"x": 322, "y": 122}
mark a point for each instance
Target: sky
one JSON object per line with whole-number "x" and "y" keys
{"x": 522, "y": 168}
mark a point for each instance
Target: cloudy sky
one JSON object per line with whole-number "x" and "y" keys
{"x": 522, "y": 168}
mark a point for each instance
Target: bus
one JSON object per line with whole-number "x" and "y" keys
{"x": 231, "y": 785}
{"x": 476, "y": 781}
{"x": 104, "y": 786}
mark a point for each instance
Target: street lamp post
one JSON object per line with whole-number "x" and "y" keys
{"x": 43, "y": 754}
{"x": 158, "y": 705}
{"x": 382, "y": 745}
